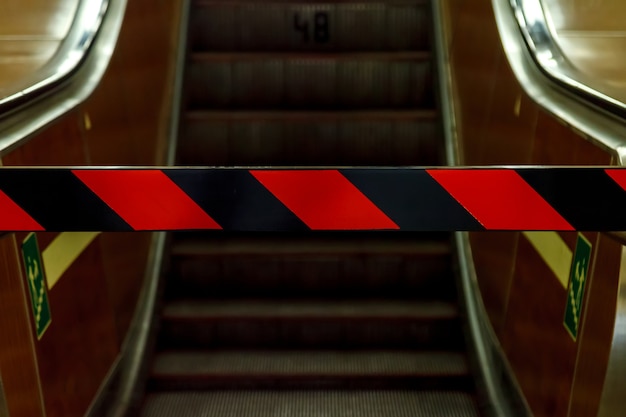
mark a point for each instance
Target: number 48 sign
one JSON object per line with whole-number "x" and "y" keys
{"x": 319, "y": 27}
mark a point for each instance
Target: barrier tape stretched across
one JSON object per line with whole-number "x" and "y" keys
{"x": 412, "y": 199}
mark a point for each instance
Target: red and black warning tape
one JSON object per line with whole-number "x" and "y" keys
{"x": 237, "y": 199}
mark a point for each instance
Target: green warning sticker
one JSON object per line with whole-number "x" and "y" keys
{"x": 36, "y": 284}
{"x": 576, "y": 288}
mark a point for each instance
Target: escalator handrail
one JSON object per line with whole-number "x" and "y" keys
{"x": 550, "y": 59}
{"x": 66, "y": 60}
{"x": 540, "y": 40}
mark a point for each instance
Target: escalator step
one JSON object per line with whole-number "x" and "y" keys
{"x": 311, "y": 404}
{"x": 309, "y": 138}
{"x": 422, "y": 245}
{"x": 178, "y": 370}
{"x": 290, "y": 324}
{"x": 309, "y": 81}
{"x": 283, "y": 266}
{"x": 243, "y": 25}
{"x": 287, "y": 309}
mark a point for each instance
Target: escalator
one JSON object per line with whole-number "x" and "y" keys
{"x": 315, "y": 324}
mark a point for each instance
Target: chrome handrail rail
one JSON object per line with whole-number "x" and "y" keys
{"x": 68, "y": 57}
{"x": 539, "y": 36}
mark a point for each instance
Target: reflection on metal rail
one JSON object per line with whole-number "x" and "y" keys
{"x": 68, "y": 57}
{"x": 245, "y": 199}
{"x": 536, "y": 31}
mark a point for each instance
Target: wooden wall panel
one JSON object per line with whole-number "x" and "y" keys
{"x": 125, "y": 256}
{"x": 81, "y": 342}
{"x": 556, "y": 144}
{"x": 538, "y": 347}
{"x": 494, "y": 261}
{"x": 123, "y": 123}
{"x": 20, "y": 376}
{"x": 596, "y": 329}
{"x": 499, "y": 124}
{"x": 59, "y": 144}
{"x": 510, "y": 124}
{"x": 473, "y": 52}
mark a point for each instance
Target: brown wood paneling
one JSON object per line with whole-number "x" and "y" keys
{"x": 597, "y": 328}
{"x": 537, "y": 345}
{"x": 122, "y": 123}
{"x": 511, "y": 122}
{"x": 556, "y": 144}
{"x": 474, "y": 62}
{"x": 81, "y": 342}
{"x": 59, "y": 144}
{"x": 106, "y": 121}
{"x": 494, "y": 261}
{"x": 17, "y": 355}
{"x": 125, "y": 256}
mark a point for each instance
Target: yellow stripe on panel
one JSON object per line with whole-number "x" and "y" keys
{"x": 554, "y": 252}
{"x": 63, "y": 251}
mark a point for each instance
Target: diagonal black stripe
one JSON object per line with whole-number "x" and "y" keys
{"x": 587, "y": 198}
{"x": 59, "y": 201}
{"x": 412, "y": 199}
{"x": 236, "y": 200}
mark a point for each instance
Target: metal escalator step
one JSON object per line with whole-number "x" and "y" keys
{"x": 317, "y": 403}
{"x": 311, "y": 369}
{"x": 288, "y": 309}
{"x": 312, "y": 245}
{"x": 308, "y": 363}
{"x": 309, "y": 81}
{"x": 290, "y": 324}
{"x": 243, "y": 25}
{"x": 288, "y": 266}
{"x": 309, "y": 138}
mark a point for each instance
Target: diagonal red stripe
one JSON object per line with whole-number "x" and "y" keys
{"x": 500, "y": 199}
{"x": 324, "y": 199}
{"x": 146, "y": 199}
{"x": 618, "y": 175}
{"x": 14, "y": 218}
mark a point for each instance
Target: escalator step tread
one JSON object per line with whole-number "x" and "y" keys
{"x": 310, "y": 363}
{"x": 284, "y": 245}
{"x": 386, "y": 115}
{"x": 272, "y": 25}
{"x": 311, "y": 404}
{"x": 309, "y": 56}
{"x": 205, "y": 3}
{"x": 296, "y": 309}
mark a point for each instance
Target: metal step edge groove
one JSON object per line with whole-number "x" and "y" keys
{"x": 285, "y": 246}
{"x": 307, "y": 116}
{"x": 235, "y": 57}
{"x": 308, "y": 309}
{"x": 307, "y": 363}
{"x": 208, "y": 3}
{"x": 312, "y": 403}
